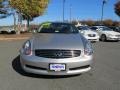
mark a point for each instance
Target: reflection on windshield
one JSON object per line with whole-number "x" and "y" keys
{"x": 58, "y": 28}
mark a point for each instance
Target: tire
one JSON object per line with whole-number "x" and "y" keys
{"x": 12, "y": 32}
{"x": 103, "y": 38}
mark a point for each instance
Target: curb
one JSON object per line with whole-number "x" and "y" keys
{"x": 9, "y": 39}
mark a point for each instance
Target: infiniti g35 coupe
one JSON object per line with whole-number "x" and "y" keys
{"x": 56, "y": 49}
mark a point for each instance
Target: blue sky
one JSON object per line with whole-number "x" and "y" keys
{"x": 81, "y": 9}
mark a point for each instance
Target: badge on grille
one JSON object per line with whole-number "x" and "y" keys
{"x": 58, "y": 54}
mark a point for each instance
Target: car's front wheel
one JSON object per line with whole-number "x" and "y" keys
{"x": 103, "y": 38}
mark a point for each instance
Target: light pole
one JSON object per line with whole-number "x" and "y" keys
{"x": 63, "y": 10}
{"x": 70, "y": 13}
{"x": 103, "y": 4}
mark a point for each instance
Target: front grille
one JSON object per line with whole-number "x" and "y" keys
{"x": 91, "y": 35}
{"x": 57, "y": 54}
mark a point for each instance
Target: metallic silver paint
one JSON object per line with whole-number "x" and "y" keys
{"x": 73, "y": 41}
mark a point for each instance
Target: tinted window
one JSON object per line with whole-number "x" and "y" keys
{"x": 93, "y": 28}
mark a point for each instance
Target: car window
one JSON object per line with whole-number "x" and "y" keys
{"x": 58, "y": 28}
{"x": 83, "y": 28}
{"x": 105, "y": 29}
{"x": 93, "y": 28}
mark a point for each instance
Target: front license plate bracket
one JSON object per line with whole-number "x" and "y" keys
{"x": 57, "y": 67}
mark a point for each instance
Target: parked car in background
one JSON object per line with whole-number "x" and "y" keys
{"x": 23, "y": 30}
{"x": 116, "y": 29}
{"x": 88, "y": 33}
{"x": 7, "y": 30}
{"x": 57, "y": 49}
{"x": 106, "y": 33}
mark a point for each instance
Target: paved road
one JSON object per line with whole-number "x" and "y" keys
{"x": 105, "y": 74}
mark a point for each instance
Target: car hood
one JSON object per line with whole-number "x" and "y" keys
{"x": 57, "y": 41}
{"x": 111, "y": 32}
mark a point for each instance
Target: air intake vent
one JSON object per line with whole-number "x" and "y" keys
{"x": 57, "y": 54}
{"x": 91, "y": 35}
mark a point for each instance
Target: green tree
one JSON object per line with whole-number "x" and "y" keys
{"x": 117, "y": 8}
{"x": 29, "y": 9}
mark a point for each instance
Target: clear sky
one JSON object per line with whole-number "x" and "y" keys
{"x": 81, "y": 10}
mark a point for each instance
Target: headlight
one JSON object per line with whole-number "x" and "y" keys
{"x": 88, "y": 49}
{"x": 27, "y": 48}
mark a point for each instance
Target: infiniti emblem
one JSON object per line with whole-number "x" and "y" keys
{"x": 58, "y": 54}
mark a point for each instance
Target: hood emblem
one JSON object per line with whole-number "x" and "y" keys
{"x": 58, "y": 54}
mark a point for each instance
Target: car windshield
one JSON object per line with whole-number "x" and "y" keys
{"x": 57, "y": 28}
{"x": 105, "y": 29}
{"x": 83, "y": 28}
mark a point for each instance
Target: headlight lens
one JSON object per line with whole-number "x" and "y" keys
{"x": 88, "y": 49}
{"x": 27, "y": 48}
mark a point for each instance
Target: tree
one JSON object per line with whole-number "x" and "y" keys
{"x": 90, "y": 22}
{"x": 116, "y": 23}
{"x": 108, "y": 22}
{"x": 117, "y": 8}
{"x": 74, "y": 22}
{"x": 29, "y": 9}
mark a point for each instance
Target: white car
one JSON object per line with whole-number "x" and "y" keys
{"x": 106, "y": 33}
{"x": 88, "y": 33}
{"x": 7, "y": 30}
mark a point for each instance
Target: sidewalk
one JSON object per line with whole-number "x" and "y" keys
{"x": 15, "y": 36}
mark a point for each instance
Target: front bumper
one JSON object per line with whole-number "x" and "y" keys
{"x": 39, "y": 65}
{"x": 92, "y": 38}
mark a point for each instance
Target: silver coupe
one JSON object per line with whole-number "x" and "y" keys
{"x": 56, "y": 49}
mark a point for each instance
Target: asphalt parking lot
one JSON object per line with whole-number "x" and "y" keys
{"x": 105, "y": 74}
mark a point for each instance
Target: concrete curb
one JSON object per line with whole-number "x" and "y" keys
{"x": 9, "y": 39}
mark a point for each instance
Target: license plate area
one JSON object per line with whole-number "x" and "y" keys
{"x": 57, "y": 67}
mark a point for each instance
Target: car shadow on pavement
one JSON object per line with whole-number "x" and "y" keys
{"x": 111, "y": 41}
{"x": 17, "y": 67}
